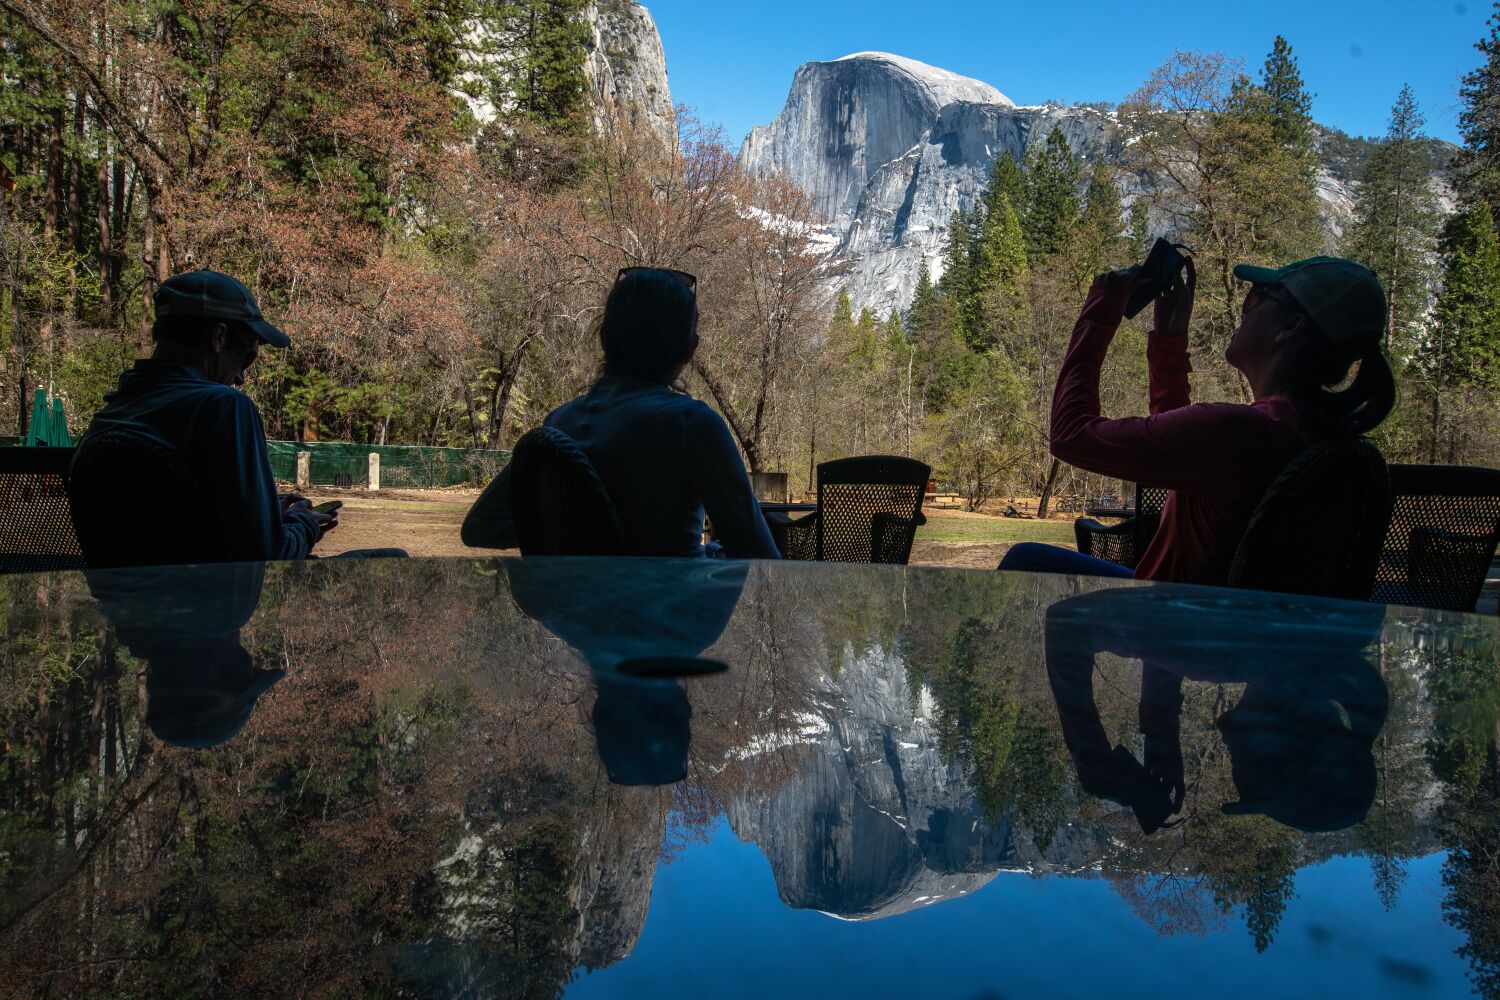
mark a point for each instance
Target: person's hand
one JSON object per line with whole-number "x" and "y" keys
{"x": 325, "y": 522}
{"x": 1119, "y": 283}
{"x": 1164, "y": 764}
{"x": 289, "y": 499}
{"x": 1174, "y": 307}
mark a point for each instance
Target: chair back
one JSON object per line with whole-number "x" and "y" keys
{"x": 1317, "y": 529}
{"x": 122, "y": 485}
{"x": 1149, "y": 503}
{"x": 869, "y": 508}
{"x": 1445, "y": 526}
{"x": 558, "y": 502}
{"x": 36, "y": 525}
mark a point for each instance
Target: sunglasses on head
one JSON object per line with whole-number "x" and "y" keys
{"x": 682, "y": 276}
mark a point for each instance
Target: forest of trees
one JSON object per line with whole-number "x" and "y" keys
{"x": 441, "y": 271}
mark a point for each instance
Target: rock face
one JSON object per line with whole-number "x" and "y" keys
{"x": 847, "y": 119}
{"x": 889, "y": 148}
{"x": 876, "y": 822}
{"x": 627, "y": 70}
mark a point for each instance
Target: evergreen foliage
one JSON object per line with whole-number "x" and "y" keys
{"x": 1461, "y": 358}
{"x": 1478, "y": 164}
{"x": 1397, "y": 222}
{"x": 1051, "y": 197}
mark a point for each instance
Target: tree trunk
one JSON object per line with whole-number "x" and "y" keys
{"x": 1046, "y": 497}
{"x": 51, "y": 209}
{"x": 75, "y": 203}
{"x": 101, "y": 226}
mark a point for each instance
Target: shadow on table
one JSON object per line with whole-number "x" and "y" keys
{"x": 1299, "y": 739}
{"x": 635, "y": 629}
{"x": 201, "y": 683}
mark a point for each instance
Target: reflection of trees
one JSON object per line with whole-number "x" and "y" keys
{"x": 418, "y": 805}
{"x": 975, "y": 650}
{"x": 1464, "y": 687}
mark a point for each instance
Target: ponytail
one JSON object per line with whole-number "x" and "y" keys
{"x": 1359, "y": 407}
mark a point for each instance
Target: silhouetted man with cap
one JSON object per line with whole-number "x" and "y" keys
{"x": 182, "y": 409}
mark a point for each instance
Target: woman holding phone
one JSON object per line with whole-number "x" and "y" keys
{"x": 1302, "y": 327}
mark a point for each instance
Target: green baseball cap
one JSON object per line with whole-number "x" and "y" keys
{"x": 212, "y": 295}
{"x": 1345, "y": 299}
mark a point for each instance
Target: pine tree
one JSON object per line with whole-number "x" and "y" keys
{"x": 923, "y": 310}
{"x": 841, "y": 327}
{"x": 1000, "y": 268}
{"x": 1397, "y": 221}
{"x": 1099, "y": 242}
{"x": 1006, "y": 180}
{"x": 1051, "y": 197}
{"x": 1463, "y": 349}
{"x": 1290, "y": 104}
{"x": 957, "y": 282}
{"x": 1478, "y": 164}
{"x": 548, "y": 42}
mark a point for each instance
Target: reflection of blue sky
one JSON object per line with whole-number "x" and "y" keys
{"x": 716, "y": 928}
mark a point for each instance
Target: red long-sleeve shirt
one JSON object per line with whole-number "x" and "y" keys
{"x": 1216, "y": 458}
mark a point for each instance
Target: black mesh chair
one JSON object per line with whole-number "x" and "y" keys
{"x": 36, "y": 525}
{"x": 1126, "y": 542}
{"x": 116, "y": 477}
{"x": 869, "y": 509}
{"x": 1444, "y": 528}
{"x": 1318, "y": 528}
{"x": 558, "y": 501}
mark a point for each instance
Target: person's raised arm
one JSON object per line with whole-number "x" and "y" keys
{"x": 1167, "y": 345}
{"x": 718, "y": 475}
{"x": 1180, "y": 447}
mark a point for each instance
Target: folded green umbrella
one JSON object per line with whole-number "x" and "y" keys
{"x": 59, "y": 437}
{"x": 41, "y": 424}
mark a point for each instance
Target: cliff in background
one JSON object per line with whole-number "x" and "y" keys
{"x": 889, "y": 148}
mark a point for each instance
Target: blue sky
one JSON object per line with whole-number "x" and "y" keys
{"x": 733, "y": 62}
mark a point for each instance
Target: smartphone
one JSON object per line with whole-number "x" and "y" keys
{"x": 328, "y": 507}
{"x": 1162, "y": 266}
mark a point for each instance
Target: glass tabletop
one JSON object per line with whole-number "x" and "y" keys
{"x": 657, "y": 777}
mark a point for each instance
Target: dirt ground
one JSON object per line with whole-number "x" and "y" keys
{"x": 426, "y": 523}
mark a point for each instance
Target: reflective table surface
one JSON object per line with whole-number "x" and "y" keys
{"x": 664, "y": 778}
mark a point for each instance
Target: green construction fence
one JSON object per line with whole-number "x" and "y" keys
{"x": 408, "y": 466}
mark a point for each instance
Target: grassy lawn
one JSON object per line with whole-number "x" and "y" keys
{"x": 989, "y": 530}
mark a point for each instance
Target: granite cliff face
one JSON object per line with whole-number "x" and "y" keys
{"x": 876, "y": 822}
{"x": 627, "y": 70}
{"x": 889, "y": 148}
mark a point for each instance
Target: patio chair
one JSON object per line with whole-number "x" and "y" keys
{"x": 1444, "y": 529}
{"x": 558, "y": 501}
{"x": 116, "y": 475}
{"x": 1318, "y": 528}
{"x": 869, "y": 509}
{"x": 36, "y": 525}
{"x": 1125, "y": 542}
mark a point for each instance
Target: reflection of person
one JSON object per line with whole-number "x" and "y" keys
{"x": 1299, "y": 739}
{"x": 201, "y": 683}
{"x": 185, "y": 401}
{"x": 1301, "y": 328}
{"x": 611, "y": 617}
{"x": 663, "y": 456}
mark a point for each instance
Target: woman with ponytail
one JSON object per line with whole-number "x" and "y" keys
{"x": 1302, "y": 328}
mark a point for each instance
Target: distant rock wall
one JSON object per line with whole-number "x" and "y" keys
{"x": 627, "y": 70}
{"x": 889, "y": 149}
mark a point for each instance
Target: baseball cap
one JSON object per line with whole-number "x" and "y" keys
{"x": 213, "y": 295}
{"x": 1345, "y": 299}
